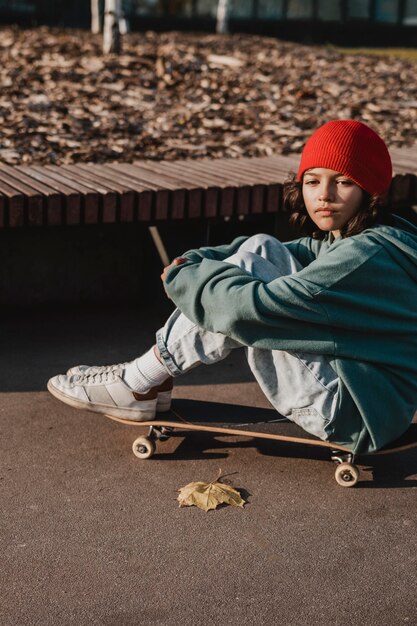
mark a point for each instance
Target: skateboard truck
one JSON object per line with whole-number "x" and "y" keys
{"x": 144, "y": 447}
{"x": 160, "y": 433}
{"x": 347, "y": 473}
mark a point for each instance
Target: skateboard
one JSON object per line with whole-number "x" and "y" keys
{"x": 188, "y": 415}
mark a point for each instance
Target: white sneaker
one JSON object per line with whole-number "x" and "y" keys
{"x": 106, "y": 393}
{"x": 164, "y": 391}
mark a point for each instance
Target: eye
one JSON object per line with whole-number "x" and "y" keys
{"x": 345, "y": 182}
{"x": 311, "y": 181}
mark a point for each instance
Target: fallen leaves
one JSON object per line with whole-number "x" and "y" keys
{"x": 208, "y": 496}
{"x": 177, "y": 95}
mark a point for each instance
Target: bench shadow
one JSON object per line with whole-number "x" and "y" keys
{"x": 51, "y": 340}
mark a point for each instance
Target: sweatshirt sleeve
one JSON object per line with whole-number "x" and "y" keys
{"x": 221, "y": 297}
{"x": 301, "y": 311}
{"x": 218, "y": 253}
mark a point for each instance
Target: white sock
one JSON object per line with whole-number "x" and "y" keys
{"x": 145, "y": 372}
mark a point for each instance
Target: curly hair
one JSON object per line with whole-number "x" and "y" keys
{"x": 373, "y": 210}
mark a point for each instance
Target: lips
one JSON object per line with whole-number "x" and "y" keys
{"x": 325, "y": 212}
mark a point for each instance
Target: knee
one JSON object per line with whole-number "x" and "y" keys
{"x": 260, "y": 242}
{"x": 262, "y": 238}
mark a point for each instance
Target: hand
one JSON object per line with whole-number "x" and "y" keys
{"x": 178, "y": 261}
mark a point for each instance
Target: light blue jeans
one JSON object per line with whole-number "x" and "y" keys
{"x": 301, "y": 386}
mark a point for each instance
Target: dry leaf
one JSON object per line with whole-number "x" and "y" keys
{"x": 221, "y": 59}
{"x": 208, "y": 496}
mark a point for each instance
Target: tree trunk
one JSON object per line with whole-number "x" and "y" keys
{"x": 111, "y": 31}
{"x": 222, "y": 11}
{"x": 96, "y": 22}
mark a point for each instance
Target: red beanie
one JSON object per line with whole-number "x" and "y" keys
{"x": 353, "y": 149}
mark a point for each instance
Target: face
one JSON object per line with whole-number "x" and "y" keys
{"x": 331, "y": 198}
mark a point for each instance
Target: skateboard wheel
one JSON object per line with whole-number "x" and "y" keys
{"x": 346, "y": 475}
{"x": 143, "y": 448}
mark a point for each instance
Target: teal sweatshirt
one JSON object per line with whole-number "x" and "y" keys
{"x": 354, "y": 300}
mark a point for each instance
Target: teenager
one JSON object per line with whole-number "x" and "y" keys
{"x": 328, "y": 321}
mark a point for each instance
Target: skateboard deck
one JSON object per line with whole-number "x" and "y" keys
{"x": 225, "y": 419}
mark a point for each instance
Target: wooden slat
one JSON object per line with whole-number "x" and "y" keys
{"x": 243, "y": 197}
{"x": 201, "y": 200}
{"x": 107, "y": 196}
{"x": 162, "y": 190}
{"x": 227, "y": 190}
{"x": 87, "y": 201}
{"x": 125, "y": 195}
{"x": 237, "y": 202}
{"x": 15, "y": 203}
{"x": 33, "y": 200}
{"x": 71, "y": 199}
{"x": 90, "y": 197}
{"x": 176, "y": 187}
{"x": 226, "y": 194}
{"x": 274, "y": 178}
{"x": 251, "y": 172}
{"x": 265, "y": 191}
{"x": 281, "y": 166}
{"x": 269, "y": 174}
{"x": 192, "y": 191}
{"x": 143, "y": 194}
{"x": 53, "y": 201}
{"x": 2, "y": 211}
{"x": 210, "y": 187}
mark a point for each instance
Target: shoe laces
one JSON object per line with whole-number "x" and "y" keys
{"x": 107, "y": 374}
{"x": 99, "y": 369}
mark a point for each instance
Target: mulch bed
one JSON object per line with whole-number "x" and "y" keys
{"x": 179, "y": 95}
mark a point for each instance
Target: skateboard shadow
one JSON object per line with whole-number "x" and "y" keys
{"x": 392, "y": 472}
{"x": 221, "y": 413}
{"x": 398, "y": 470}
{"x": 209, "y": 445}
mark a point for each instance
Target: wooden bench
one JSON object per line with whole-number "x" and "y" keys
{"x": 151, "y": 191}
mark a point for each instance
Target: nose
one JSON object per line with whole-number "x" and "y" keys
{"x": 326, "y": 191}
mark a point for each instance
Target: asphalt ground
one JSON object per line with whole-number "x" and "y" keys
{"x": 92, "y": 535}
